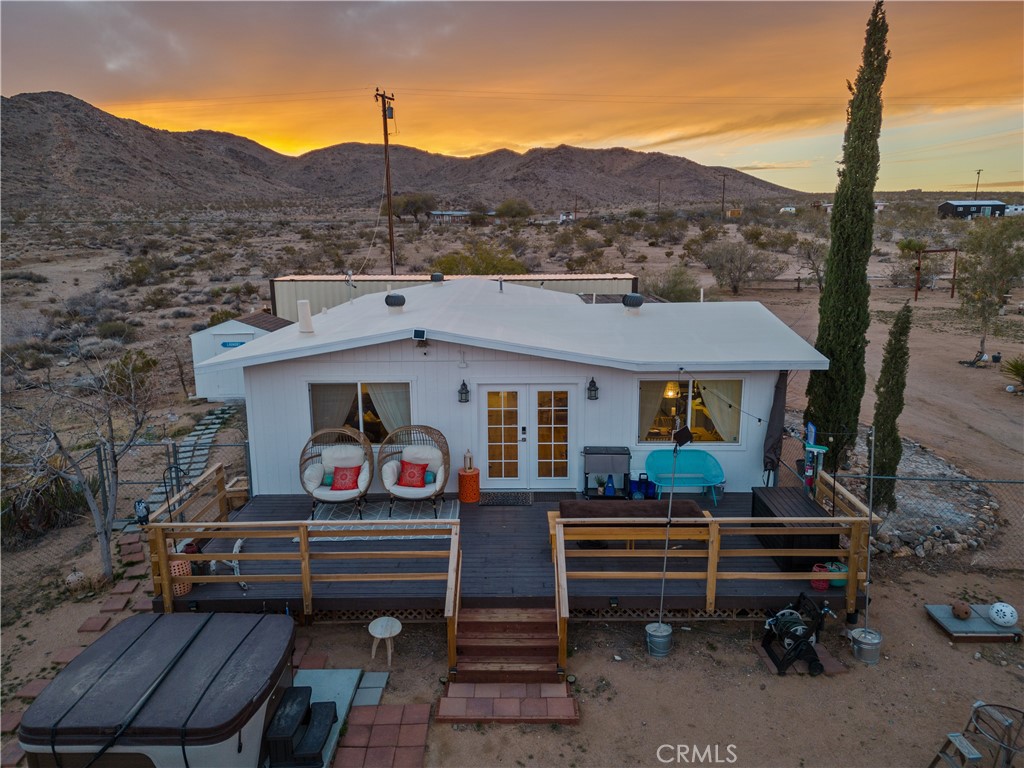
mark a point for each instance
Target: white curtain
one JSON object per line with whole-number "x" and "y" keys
{"x": 392, "y": 404}
{"x": 650, "y": 404}
{"x": 722, "y": 399}
{"x": 330, "y": 404}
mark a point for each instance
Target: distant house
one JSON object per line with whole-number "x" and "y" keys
{"x": 449, "y": 217}
{"x": 787, "y": 209}
{"x": 210, "y": 342}
{"x": 879, "y": 206}
{"x": 971, "y": 209}
{"x": 556, "y": 373}
{"x": 1014, "y": 210}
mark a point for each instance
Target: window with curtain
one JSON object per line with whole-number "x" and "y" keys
{"x": 710, "y": 408}
{"x": 374, "y": 409}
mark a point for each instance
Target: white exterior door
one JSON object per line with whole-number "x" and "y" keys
{"x": 527, "y": 431}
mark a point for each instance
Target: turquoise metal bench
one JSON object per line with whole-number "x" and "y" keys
{"x": 690, "y": 468}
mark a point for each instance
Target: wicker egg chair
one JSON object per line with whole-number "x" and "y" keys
{"x": 415, "y": 444}
{"x": 327, "y": 449}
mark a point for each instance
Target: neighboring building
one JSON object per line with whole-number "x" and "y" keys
{"x": 1014, "y": 210}
{"x": 326, "y": 291}
{"x": 449, "y": 217}
{"x": 971, "y": 209}
{"x": 546, "y": 373}
{"x": 210, "y": 342}
{"x": 788, "y": 209}
{"x": 566, "y": 217}
{"x": 879, "y": 206}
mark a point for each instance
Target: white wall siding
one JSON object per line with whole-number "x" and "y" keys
{"x": 279, "y": 420}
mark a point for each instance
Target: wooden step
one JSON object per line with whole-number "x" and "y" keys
{"x": 507, "y": 620}
{"x": 525, "y": 644}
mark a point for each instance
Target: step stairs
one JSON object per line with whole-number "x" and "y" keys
{"x": 299, "y": 729}
{"x": 507, "y": 645}
{"x": 507, "y": 670}
{"x": 956, "y": 752}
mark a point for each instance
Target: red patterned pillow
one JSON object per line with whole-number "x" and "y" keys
{"x": 345, "y": 478}
{"x": 412, "y": 475}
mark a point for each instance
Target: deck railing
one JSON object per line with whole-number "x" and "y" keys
{"x": 829, "y": 493}
{"x": 296, "y": 561}
{"x": 211, "y": 497}
{"x": 705, "y": 538}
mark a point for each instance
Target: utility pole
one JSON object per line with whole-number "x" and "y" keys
{"x": 977, "y": 183}
{"x": 386, "y": 111}
{"x": 723, "y": 197}
{"x": 659, "y": 195}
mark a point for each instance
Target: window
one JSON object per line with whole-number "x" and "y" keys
{"x": 374, "y": 409}
{"x": 709, "y": 407}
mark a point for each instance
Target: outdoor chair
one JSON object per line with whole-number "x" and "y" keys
{"x": 414, "y": 464}
{"x": 328, "y": 464}
{"x": 683, "y": 469}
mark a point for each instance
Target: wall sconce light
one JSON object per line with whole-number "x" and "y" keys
{"x": 463, "y": 392}
{"x": 592, "y": 389}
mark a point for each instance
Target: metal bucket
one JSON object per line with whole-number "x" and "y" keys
{"x": 866, "y": 644}
{"x": 659, "y": 638}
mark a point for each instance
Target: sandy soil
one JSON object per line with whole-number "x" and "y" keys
{"x": 711, "y": 691}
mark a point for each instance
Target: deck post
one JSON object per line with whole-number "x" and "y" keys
{"x": 561, "y": 596}
{"x": 307, "y": 582}
{"x": 222, "y": 494}
{"x": 714, "y": 544}
{"x": 166, "y": 589}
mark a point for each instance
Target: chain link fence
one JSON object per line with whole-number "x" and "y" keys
{"x": 936, "y": 515}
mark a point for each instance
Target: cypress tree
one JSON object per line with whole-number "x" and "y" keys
{"x": 834, "y": 396}
{"x": 889, "y": 390}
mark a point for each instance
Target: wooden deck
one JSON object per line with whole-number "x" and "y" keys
{"x": 506, "y": 559}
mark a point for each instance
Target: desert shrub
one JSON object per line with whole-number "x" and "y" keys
{"x": 24, "y": 275}
{"x": 100, "y": 348}
{"x": 140, "y": 270}
{"x": 677, "y": 284}
{"x": 38, "y": 505}
{"x": 222, "y": 316}
{"x": 116, "y": 329}
{"x": 1013, "y": 369}
{"x": 158, "y": 298}
{"x": 181, "y": 313}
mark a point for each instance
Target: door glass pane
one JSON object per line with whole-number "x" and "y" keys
{"x": 502, "y": 434}
{"x": 552, "y": 444}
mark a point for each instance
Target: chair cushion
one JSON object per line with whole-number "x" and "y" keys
{"x": 412, "y": 475}
{"x": 324, "y": 493}
{"x": 342, "y": 456}
{"x": 312, "y": 476}
{"x": 345, "y": 478}
{"x": 424, "y": 454}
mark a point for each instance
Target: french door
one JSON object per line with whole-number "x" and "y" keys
{"x": 527, "y": 431}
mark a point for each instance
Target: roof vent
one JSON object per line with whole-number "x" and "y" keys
{"x": 305, "y": 316}
{"x": 632, "y": 302}
{"x": 437, "y": 277}
{"x": 395, "y": 302}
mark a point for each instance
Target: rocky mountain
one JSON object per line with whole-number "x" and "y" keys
{"x": 61, "y": 151}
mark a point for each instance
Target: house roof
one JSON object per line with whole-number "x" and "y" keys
{"x": 720, "y": 336}
{"x": 975, "y": 202}
{"x": 264, "y": 321}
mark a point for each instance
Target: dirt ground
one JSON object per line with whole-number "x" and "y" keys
{"x": 711, "y": 692}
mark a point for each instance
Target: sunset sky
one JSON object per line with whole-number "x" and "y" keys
{"x": 756, "y": 86}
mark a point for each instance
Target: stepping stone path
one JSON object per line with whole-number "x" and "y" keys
{"x": 193, "y": 453}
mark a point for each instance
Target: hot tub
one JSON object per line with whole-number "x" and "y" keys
{"x": 182, "y": 689}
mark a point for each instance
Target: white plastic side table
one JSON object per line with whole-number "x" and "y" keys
{"x": 384, "y": 628}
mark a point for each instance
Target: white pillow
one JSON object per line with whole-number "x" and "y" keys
{"x": 313, "y": 476}
{"x": 424, "y": 454}
{"x": 342, "y": 456}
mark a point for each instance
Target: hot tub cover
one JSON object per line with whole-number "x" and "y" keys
{"x": 220, "y": 667}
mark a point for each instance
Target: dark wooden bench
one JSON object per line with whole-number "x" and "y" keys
{"x": 791, "y": 502}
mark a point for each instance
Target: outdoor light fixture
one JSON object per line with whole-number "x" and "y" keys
{"x": 671, "y": 390}
{"x": 592, "y": 389}
{"x": 463, "y": 392}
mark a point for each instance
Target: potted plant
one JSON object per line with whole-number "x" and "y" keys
{"x": 599, "y": 480}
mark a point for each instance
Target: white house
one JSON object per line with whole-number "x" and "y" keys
{"x": 228, "y": 384}
{"x": 546, "y": 375}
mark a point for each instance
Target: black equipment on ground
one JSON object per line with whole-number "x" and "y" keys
{"x": 789, "y": 636}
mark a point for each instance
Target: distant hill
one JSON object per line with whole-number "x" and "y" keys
{"x": 61, "y": 151}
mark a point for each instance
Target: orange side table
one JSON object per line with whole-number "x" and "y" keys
{"x": 469, "y": 485}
